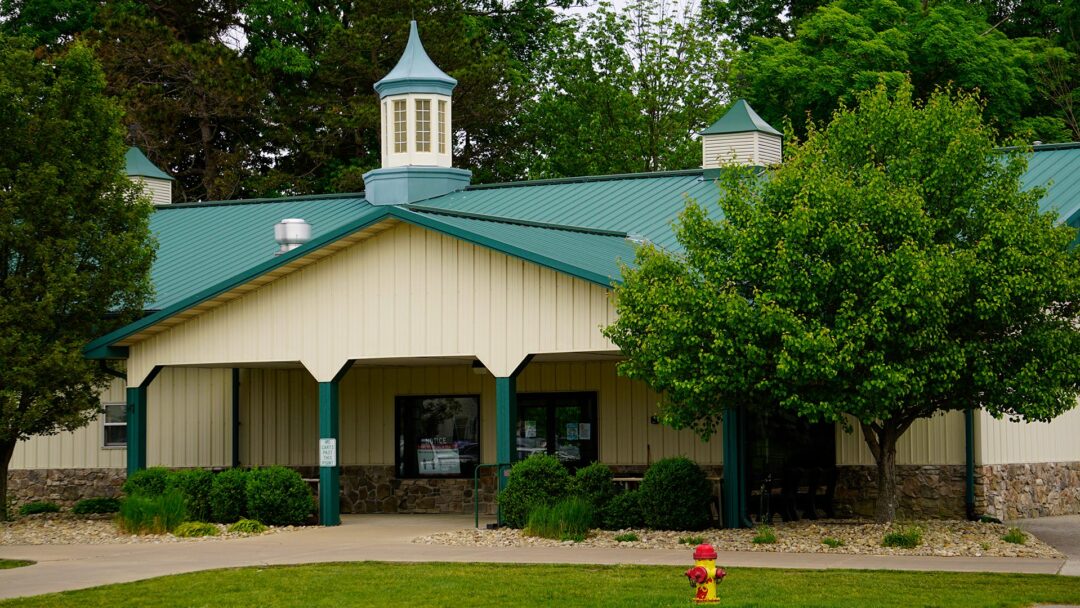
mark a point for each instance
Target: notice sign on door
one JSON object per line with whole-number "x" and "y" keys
{"x": 328, "y": 452}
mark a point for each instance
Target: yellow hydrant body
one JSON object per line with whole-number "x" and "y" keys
{"x": 705, "y": 576}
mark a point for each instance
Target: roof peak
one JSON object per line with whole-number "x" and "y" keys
{"x": 415, "y": 72}
{"x": 137, "y": 165}
{"x": 740, "y": 118}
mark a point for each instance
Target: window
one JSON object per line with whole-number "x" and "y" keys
{"x": 437, "y": 436}
{"x": 560, "y": 424}
{"x": 400, "y": 127}
{"x": 115, "y": 425}
{"x": 423, "y": 125}
{"x": 442, "y": 126}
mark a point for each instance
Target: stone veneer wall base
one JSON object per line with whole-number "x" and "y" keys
{"x": 65, "y": 487}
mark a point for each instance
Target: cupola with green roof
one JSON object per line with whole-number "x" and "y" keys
{"x": 417, "y": 150}
{"x": 156, "y": 183}
{"x": 740, "y": 137}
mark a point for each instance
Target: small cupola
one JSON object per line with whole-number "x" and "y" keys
{"x": 156, "y": 183}
{"x": 740, "y": 137}
{"x": 417, "y": 147}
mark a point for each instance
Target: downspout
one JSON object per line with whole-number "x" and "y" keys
{"x": 235, "y": 417}
{"x": 969, "y": 485}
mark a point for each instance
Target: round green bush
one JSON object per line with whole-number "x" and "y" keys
{"x": 622, "y": 511}
{"x": 593, "y": 485}
{"x": 146, "y": 482}
{"x": 675, "y": 495}
{"x": 194, "y": 485}
{"x": 90, "y": 506}
{"x": 247, "y": 526}
{"x": 40, "y": 506}
{"x": 539, "y": 480}
{"x": 191, "y": 529}
{"x": 228, "y": 496}
{"x": 278, "y": 496}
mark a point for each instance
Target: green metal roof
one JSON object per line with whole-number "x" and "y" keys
{"x": 637, "y": 204}
{"x": 140, "y": 166}
{"x": 740, "y": 118}
{"x": 415, "y": 72}
{"x": 1057, "y": 168}
{"x": 202, "y": 244}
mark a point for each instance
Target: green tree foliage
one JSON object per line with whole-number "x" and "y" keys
{"x": 744, "y": 19}
{"x": 891, "y": 269}
{"x": 75, "y": 246}
{"x": 849, "y": 46}
{"x": 627, "y": 94}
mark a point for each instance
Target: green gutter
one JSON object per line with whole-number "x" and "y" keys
{"x": 512, "y": 221}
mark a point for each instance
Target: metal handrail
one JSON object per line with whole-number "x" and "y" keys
{"x": 476, "y": 490}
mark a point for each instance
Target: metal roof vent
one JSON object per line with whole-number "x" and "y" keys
{"x": 291, "y": 233}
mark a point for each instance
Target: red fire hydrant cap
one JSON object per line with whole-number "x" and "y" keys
{"x": 704, "y": 552}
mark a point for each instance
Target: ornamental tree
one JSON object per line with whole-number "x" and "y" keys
{"x": 892, "y": 268}
{"x": 75, "y": 246}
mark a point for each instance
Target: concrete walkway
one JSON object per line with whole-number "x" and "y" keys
{"x": 387, "y": 538}
{"x": 1063, "y": 532}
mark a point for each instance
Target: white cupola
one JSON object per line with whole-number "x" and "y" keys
{"x": 155, "y": 182}
{"x": 417, "y": 150}
{"x": 740, "y": 137}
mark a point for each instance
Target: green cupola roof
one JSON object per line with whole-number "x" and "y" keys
{"x": 740, "y": 118}
{"x": 415, "y": 72}
{"x": 140, "y": 166}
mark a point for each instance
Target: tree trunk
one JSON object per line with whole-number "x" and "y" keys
{"x": 7, "y": 449}
{"x": 881, "y": 439}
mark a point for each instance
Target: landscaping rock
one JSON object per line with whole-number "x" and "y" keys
{"x": 67, "y": 529}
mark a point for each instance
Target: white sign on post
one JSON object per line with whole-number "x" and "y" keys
{"x": 328, "y": 452}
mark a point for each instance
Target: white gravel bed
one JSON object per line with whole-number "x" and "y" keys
{"x": 940, "y": 538}
{"x": 66, "y": 529}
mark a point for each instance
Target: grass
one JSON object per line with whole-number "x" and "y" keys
{"x": 832, "y": 543}
{"x": 383, "y": 584}
{"x": 628, "y": 537}
{"x": 568, "y": 520}
{"x": 1015, "y": 536}
{"x": 691, "y": 540}
{"x": 907, "y": 538}
{"x": 765, "y": 536}
{"x": 151, "y": 515}
{"x": 14, "y": 563}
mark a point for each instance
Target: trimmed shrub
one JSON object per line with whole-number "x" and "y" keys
{"x": 195, "y": 485}
{"x": 623, "y": 511}
{"x": 906, "y": 538}
{"x": 147, "y": 482}
{"x": 569, "y": 519}
{"x": 39, "y": 506}
{"x": 228, "y": 496}
{"x": 539, "y": 480}
{"x": 278, "y": 496}
{"x": 90, "y": 506}
{"x": 141, "y": 514}
{"x": 593, "y": 484}
{"x": 247, "y": 526}
{"x": 192, "y": 529}
{"x": 675, "y": 495}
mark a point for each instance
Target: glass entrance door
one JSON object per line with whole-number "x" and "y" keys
{"x": 560, "y": 424}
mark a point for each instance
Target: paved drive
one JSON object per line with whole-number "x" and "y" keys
{"x": 1063, "y": 533}
{"x": 387, "y": 538}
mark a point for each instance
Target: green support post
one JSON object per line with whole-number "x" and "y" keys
{"x": 329, "y": 481}
{"x": 505, "y": 423}
{"x": 734, "y": 499}
{"x": 136, "y": 429}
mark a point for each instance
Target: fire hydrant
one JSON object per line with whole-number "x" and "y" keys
{"x": 705, "y": 575}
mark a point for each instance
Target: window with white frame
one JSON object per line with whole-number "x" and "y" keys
{"x": 423, "y": 125}
{"x": 115, "y": 425}
{"x": 442, "y": 126}
{"x": 400, "y": 127}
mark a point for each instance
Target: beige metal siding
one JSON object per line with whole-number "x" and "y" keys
{"x": 189, "y": 422}
{"x": 937, "y": 440}
{"x": 159, "y": 190}
{"x": 769, "y": 149}
{"x": 719, "y": 150}
{"x": 406, "y": 292}
{"x": 1004, "y": 442}
{"x": 279, "y": 412}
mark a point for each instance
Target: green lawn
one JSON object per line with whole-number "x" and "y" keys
{"x": 13, "y": 563}
{"x": 466, "y": 585}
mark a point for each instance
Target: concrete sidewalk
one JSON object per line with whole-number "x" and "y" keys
{"x": 388, "y": 538}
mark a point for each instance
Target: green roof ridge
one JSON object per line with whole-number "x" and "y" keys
{"x": 415, "y": 72}
{"x": 740, "y": 118}
{"x": 586, "y": 179}
{"x": 264, "y": 200}
{"x": 137, "y": 165}
{"x": 514, "y": 221}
